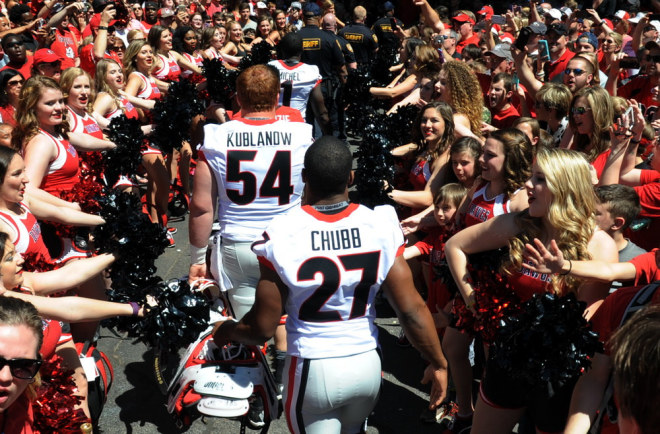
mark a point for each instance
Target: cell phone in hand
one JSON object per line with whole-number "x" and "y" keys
{"x": 498, "y": 19}
{"x": 544, "y": 50}
{"x": 654, "y": 17}
{"x": 523, "y": 38}
{"x": 629, "y": 63}
{"x": 393, "y": 23}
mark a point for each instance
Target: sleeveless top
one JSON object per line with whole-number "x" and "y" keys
{"x": 129, "y": 110}
{"x": 526, "y": 283}
{"x": 63, "y": 172}
{"x": 197, "y": 60}
{"x": 420, "y": 174}
{"x": 169, "y": 69}
{"x": 85, "y": 124}
{"x": 483, "y": 208}
{"x": 149, "y": 90}
{"x": 28, "y": 232}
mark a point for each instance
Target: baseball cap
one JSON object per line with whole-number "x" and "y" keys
{"x": 165, "y": 13}
{"x": 565, "y": 11}
{"x": 261, "y": 5}
{"x": 538, "y": 27}
{"x": 487, "y": 11}
{"x": 151, "y": 5}
{"x": 656, "y": 24}
{"x": 609, "y": 23}
{"x": 558, "y": 28}
{"x": 554, "y": 13}
{"x": 503, "y": 51}
{"x": 312, "y": 9}
{"x": 507, "y": 37}
{"x": 622, "y": 15}
{"x": 250, "y": 25}
{"x": 637, "y": 17}
{"x": 591, "y": 39}
{"x": 463, "y": 18}
{"x": 296, "y": 5}
{"x": 388, "y": 6}
{"x": 95, "y": 22}
{"x": 45, "y": 55}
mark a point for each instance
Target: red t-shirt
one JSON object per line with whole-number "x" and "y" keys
{"x": 600, "y": 161}
{"x": 505, "y": 118}
{"x": 8, "y": 114}
{"x": 640, "y": 89}
{"x": 88, "y": 62}
{"x": 649, "y": 198}
{"x": 65, "y": 47}
{"x": 433, "y": 247}
{"x": 558, "y": 66}
{"x": 25, "y": 70}
{"x": 646, "y": 267}
{"x": 474, "y": 39}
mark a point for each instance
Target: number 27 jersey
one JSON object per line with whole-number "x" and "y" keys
{"x": 257, "y": 165}
{"x": 333, "y": 265}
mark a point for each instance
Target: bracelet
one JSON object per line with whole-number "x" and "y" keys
{"x": 637, "y": 142}
{"x": 570, "y": 267}
{"x": 102, "y": 27}
{"x": 135, "y": 306}
{"x": 197, "y": 255}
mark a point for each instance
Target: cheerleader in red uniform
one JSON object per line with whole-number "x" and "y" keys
{"x": 561, "y": 206}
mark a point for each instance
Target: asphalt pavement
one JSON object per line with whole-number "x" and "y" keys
{"x": 136, "y": 405}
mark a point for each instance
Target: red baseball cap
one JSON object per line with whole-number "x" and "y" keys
{"x": 463, "y": 18}
{"x": 45, "y": 55}
{"x": 487, "y": 11}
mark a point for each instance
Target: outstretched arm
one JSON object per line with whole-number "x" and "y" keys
{"x": 418, "y": 325}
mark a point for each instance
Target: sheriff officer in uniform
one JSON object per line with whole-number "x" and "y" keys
{"x": 363, "y": 41}
{"x": 322, "y": 49}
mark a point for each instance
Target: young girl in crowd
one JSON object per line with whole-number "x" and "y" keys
{"x": 561, "y": 206}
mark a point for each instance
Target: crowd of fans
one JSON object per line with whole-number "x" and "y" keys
{"x": 537, "y": 131}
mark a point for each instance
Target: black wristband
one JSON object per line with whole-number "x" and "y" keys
{"x": 102, "y": 27}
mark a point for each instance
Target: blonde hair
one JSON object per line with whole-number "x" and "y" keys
{"x": 466, "y": 95}
{"x": 603, "y": 114}
{"x": 27, "y": 124}
{"x": 69, "y": 75}
{"x": 130, "y": 56}
{"x": 571, "y": 210}
{"x": 99, "y": 79}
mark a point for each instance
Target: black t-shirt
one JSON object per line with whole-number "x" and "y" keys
{"x": 384, "y": 32}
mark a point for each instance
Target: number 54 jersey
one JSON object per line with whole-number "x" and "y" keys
{"x": 257, "y": 166}
{"x": 333, "y": 265}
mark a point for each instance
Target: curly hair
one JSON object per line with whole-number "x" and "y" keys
{"x": 466, "y": 96}
{"x": 518, "y": 156}
{"x": 571, "y": 213}
{"x": 27, "y": 124}
{"x": 602, "y": 111}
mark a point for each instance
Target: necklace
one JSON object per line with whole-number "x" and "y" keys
{"x": 331, "y": 207}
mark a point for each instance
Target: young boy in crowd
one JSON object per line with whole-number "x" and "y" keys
{"x": 445, "y": 202}
{"x": 618, "y": 206}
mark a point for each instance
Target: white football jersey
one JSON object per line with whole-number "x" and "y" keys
{"x": 296, "y": 82}
{"x": 257, "y": 166}
{"x": 333, "y": 265}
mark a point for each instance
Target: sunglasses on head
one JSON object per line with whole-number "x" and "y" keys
{"x": 580, "y": 110}
{"x": 576, "y": 71}
{"x": 25, "y": 369}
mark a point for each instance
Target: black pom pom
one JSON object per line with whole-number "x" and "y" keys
{"x": 125, "y": 159}
{"x": 173, "y": 114}
{"x": 220, "y": 81}
{"x": 547, "y": 344}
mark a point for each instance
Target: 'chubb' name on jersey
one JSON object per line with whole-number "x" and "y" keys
{"x": 258, "y": 138}
{"x": 339, "y": 239}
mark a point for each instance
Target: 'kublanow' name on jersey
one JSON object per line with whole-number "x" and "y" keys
{"x": 336, "y": 240}
{"x": 261, "y": 138}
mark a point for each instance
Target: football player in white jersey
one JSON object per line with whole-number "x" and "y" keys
{"x": 300, "y": 81}
{"x": 324, "y": 262}
{"x": 252, "y": 167}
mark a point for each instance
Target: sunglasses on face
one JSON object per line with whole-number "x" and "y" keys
{"x": 576, "y": 71}
{"x": 654, "y": 59}
{"x": 580, "y": 110}
{"x": 15, "y": 82}
{"x": 25, "y": 369}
